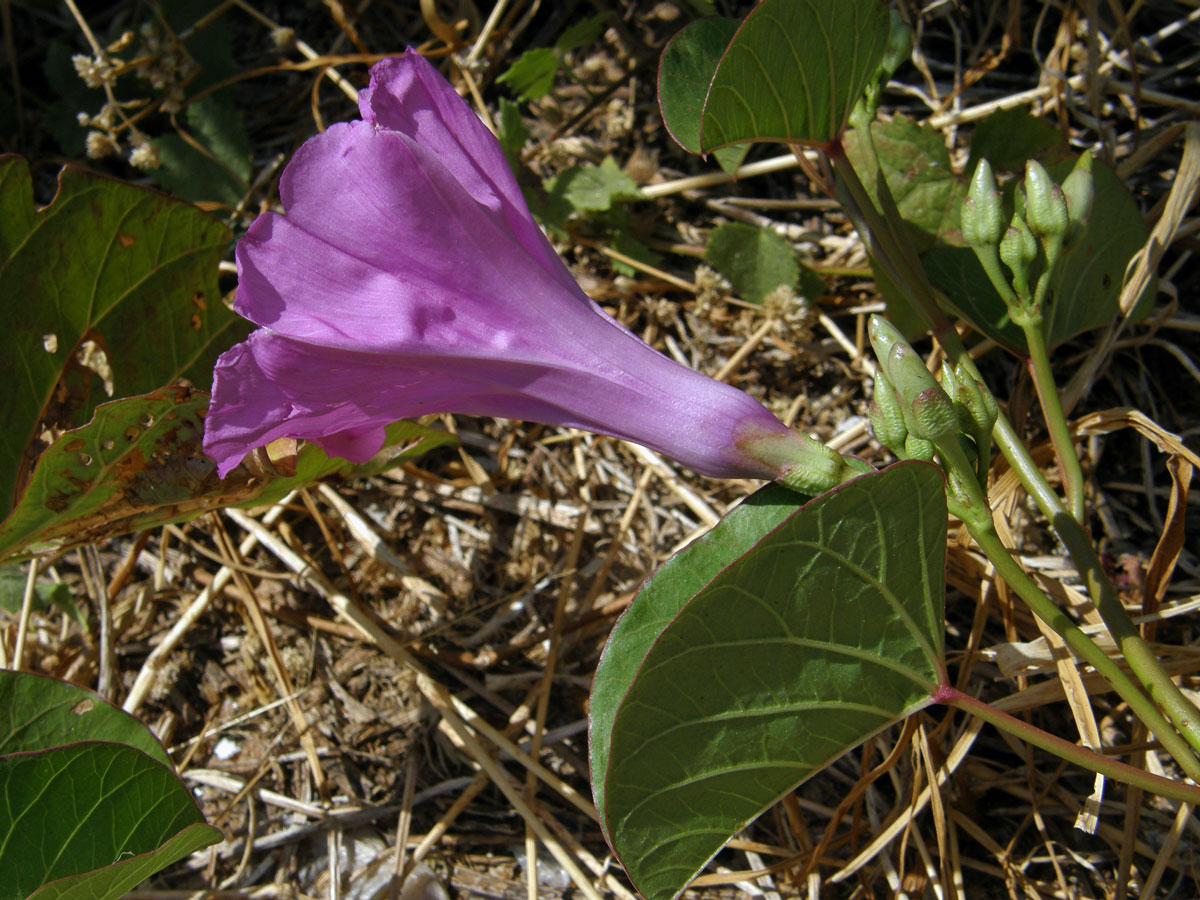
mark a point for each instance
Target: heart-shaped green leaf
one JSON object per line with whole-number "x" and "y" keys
{"x": 90, "y": 804}
{"x": 116, "y": 880}
{"x": 758, "y": 261}
{"x": 38, "y": 712}
{"x": 753, "y": 659}
{"x": 127, "y": 268}
{"x": 92, "y": 809}
{"x": 685, "y": 71}
{"x": 139, "y": 464}
{"x": 755, "y": 260}
{"x": 793, "y": 72}
{"x": 46, "y": 595}
{"x": 1009, "y": 137}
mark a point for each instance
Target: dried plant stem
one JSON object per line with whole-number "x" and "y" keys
{"x": 884, "y": 836}
{"x": 400, "y": 864}
{"x": 485, "y": 33}
{"x": 748, "y": 347}
{"x": 309, "y": 53}
{"x": 545, "y": 688}
{"x": 18, "y": 660}
{"x": 154, "y": 663}
{"x": 286, "y": 689}
{"x": 709, "y": 179}
{"x": 443, "y": 701}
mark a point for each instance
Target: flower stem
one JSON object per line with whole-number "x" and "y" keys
{"x": 1052, "y": 412}
{"x": 1081, "y": 756}
{"x": 885, "y": 241}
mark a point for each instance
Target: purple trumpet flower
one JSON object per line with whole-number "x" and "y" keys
{"x": 408, "y": 277}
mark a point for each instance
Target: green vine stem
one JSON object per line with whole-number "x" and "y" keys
{"x": 1142, "y": 660}
{"x": 1052, "y": 412}
{"x": 897, "y": 256}
{"x": 1081, "y": 756}
{"x": 983, "y": 530}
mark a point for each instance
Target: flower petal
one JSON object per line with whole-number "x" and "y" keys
{"x": 408, "y": 96}
{"x": 369, "y": 208}
{"x": 262, "y": 392}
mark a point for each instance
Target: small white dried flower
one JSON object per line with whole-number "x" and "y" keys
{"x": 94, "y": 72}
{"x": 100, "y": 145}
{"x": 778, "y": 302}
{"x": 83, "y": 119}
{"x": 794, "y": 317}
{"x": 172, "y": 100}
{"x": 711, "y": 286}
{"x": 283, "y": 38}
{"x": 107, "y": 117}
{"x": 143, "y": 155}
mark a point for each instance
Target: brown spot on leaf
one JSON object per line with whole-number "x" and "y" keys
{"x": 125, "y": 240}
{"x": 197, "y": 322}
{"x": 83, "y": 706}
{"x": 198, "y": 301}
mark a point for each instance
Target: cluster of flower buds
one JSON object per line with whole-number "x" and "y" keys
{"x": 913, "y": 415}
{"x": 1046, "y": 215}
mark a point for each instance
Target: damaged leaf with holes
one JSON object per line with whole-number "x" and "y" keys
{"x": 139, "y": 464}
{"x": 110, "y": 291}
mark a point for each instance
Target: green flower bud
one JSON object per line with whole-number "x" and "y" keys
{"x": 928, "y": 412}
{"x": 1045, "y": 205}
{"x": 936, "y": 417}
{"x": 883, "y": 335}
{"x": 918, "y": 448}
{"x": 951, "y": 385}
{"x": 1080, "y": 190}
{"x": 949, "y": 378}
{"x": 978, "y": 403}
{"x": 906, "y": 370}
{"x": 887, "y": 418}
{"x": 982, "y": 216}
{"x": 1018, "y": 249}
